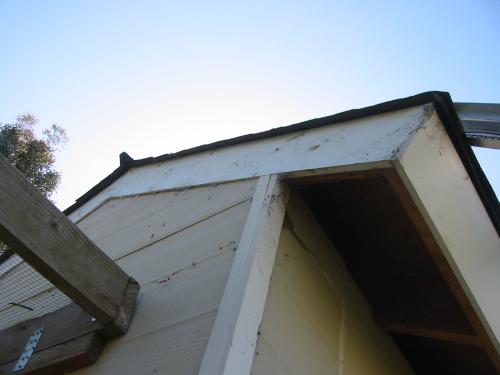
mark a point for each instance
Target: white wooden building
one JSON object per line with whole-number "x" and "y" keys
{"x": 361, "y": 243}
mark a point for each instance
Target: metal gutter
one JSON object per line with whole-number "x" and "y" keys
{"x": 481, "y": 122}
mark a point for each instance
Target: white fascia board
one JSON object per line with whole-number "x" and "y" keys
{"x": 352, "y": 143}
{"x": 443, "y": 192}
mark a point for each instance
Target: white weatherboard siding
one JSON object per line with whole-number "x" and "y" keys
{"x": 180, "y": 246}
{"x": 316, "y": 320}
{"x": 365, "y": 140}
{"x": 439, "y": 184}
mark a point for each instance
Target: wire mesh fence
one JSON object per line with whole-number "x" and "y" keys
{"x": 24, "y": 293}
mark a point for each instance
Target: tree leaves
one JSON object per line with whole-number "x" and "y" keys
{"x": 33, "y": 156}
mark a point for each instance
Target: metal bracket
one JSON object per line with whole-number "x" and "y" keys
{"x": 28, "y": 350}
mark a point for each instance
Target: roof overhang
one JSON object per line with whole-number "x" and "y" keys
{"x": 413, "y": 152}
{"x": 441, "y": 102}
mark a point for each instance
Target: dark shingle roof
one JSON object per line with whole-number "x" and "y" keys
{"x": 441, "y": 100}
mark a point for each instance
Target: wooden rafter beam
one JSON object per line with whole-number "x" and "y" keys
{"x": 432, "y": 333}
{"x": 36, "y": 230}
{"x": 409, "y": 204}
{"x": 422, "y": 308}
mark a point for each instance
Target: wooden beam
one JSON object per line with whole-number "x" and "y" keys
{"x": 395, "y": 179}
{"x": 63, "y": 325}
{"x": 383, "y": 260}
{"x": 62, "y": 358}
{"x": 431, "y": 333}
{"x": 67, "y": 332}
{"x": 422, "y": 308}
{"x": 421, "y": 303}
{"x": 337, "y": 174}
{"x": 36, "y": 230}
{"x": 230, "y": 348}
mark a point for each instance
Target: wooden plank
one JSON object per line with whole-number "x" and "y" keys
{"x": 60, "y": 326}
{"x": 431, "y": 333}
{"x": 62, "y": 358}
{"x": 169, "y": 332}
{"x": 355, "y": 142}
{"x": 189, "y": 247}
{"x": 182, "y": 249}
{"x": 124, "y": 225}
{"x": 165, "y": 304}
{"x": 423, "y": 309}
{"x": 391, "y": 263}
{"x": 336, "y": 174}
{"x": 427, "y": 309}
{"x": 461, "y": 237}
{"x": 156, "y": 264}
{"x": 127, "y": 309}
{"x": 453, "y": 272}
{"x": 232, "y": 342}
{"x": 36, "y": 230}
{"x": 163, "y": 311}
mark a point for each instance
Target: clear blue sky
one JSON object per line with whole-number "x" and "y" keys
{"x": 151, "y": 77}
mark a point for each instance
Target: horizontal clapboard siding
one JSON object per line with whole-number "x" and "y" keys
{"x": 124, "y": 225}
{"x": 171, "y": 219}
{"x": 218, "y": 234}
{"x": 173, "y": 350}
{"x": 180, "y": 246}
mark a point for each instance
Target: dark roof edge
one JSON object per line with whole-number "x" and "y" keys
{"x": 441, "y": 100}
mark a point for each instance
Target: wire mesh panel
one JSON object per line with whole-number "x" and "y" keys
{"x": 25, "y": 294}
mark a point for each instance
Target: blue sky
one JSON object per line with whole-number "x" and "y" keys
{"x": 151, "y": 77}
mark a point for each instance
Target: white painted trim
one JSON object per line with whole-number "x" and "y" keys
{"x": 328, "y": 171}
{"x": 352, "y": 143}
{"x": 231, "y": 346}
{"x": 443, "y": 192}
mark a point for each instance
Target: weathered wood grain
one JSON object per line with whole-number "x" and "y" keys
{"x": 60, "y": 326}
{"x": 36, "y": 230}
{"x": 59, "y": 359}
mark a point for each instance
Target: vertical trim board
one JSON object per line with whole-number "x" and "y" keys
{"x": 231, "y": 346}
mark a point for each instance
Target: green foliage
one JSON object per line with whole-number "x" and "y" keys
{"x": 32, "y": 155}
